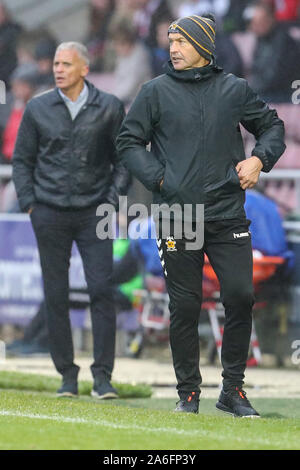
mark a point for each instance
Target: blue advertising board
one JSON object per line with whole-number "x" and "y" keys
{"x": 21, "y": 287}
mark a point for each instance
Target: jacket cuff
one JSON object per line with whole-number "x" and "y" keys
{"x": 25, "y": 207}
{"x": 266, "y": 166}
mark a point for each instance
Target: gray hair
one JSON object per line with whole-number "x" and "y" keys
{"x": 78, "y": 47}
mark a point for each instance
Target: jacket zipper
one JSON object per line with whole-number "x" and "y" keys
{"x": 202, "y": 161}
{"x": 83, "y": 108}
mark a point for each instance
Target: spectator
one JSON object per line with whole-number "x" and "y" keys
{"x": 23, "y": 86}
{"x": 236, "y": 17}
{"x": 9, "y": 32}
{"x": 160, "y": 53}
{"x": 101, "y": 12}
{"x": 35, "y": 339}
{"x": 200, "y": 7}
{"x": 133, "y": 66}
{"x": 285, "y": 10}
{"x": 276, "y": 57}
{"x": 228, "y": 55}
{"x": 44, "y": 54}
{"x": 146, "y": 17}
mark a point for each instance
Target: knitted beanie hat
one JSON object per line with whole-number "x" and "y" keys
{"x": 200, "y": 31}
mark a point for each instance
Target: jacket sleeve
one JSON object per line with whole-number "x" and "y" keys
{"x": 135, "y": 135}
{"x": 120, "y": 176}
{"x": 266, "y": 127}
{"x": 24, "y": 160}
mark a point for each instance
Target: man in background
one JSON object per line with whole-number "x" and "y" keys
{"x": 276, "y": 57}
{"x": 23, "y": 87}
{"x": 64, "y": 166}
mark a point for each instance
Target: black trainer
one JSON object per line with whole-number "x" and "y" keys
{"x": 68, "y": 389}
{"x": 235, "y": 402}
{"x": 103, "y": 390}
{"x": 188, "y": 403}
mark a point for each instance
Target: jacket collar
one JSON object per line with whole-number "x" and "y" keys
{"x": 195, "y": 74}
{"x": 93, "y": 98}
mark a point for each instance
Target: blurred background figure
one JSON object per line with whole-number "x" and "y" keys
{"x": 133, "y": 63}
{"x": 200, "y": 7}
{"x": 276, "y": 57}
{"x": 23, "y": 87}
{"x": 160, "y": 53}
{"x": 146, "y": 16}
{"x": 44, "y": 54}
{"x": 256, "y": 40}
{"x": 9, "y": 33}
{"x": 236, "y": 16}
{"x": 285, "y": 10}
{"x": 100, "y": 15}
{"x": 227, "y": 54}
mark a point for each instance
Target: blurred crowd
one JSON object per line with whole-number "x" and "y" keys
{"x": 128, "y": 43}
{"x": 129, "y": 37}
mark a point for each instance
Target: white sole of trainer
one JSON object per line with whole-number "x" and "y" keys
{"x": 250, "y": 416}
{"x": 224, "y": 410}
{"x": 66, "y": 395}
{"x": 105, "y": 396}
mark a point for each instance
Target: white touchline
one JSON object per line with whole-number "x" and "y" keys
{"x": 195, "y": 433}
{"x": 65, "y": 419}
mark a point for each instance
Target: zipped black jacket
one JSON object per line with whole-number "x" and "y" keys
{"x": 192, "y": 120}
{"x": 69, "y": 164}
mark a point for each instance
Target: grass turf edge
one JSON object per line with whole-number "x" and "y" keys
{"x": 43, "y": 383}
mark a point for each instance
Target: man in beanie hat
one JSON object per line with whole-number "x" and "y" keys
{"x": 199, "y": 32}
{"x": 191, "y": 115}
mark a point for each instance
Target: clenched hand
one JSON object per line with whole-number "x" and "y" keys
{"x": 248, "y": 171}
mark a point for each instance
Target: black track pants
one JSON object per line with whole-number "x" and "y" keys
{"x": 228, "y": 246}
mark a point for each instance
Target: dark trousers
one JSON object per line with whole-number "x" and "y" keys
{"x": 55, "y": 232}
{"x": 231, "y": 258}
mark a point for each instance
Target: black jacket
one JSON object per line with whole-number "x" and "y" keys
{"x": 9, "y": 35}
{"x": 275, "y": 66}
{"x": 69, "y": 164}
{"x": 192, "y": 120}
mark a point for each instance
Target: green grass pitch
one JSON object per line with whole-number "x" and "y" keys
{"x": 37, "y": 420}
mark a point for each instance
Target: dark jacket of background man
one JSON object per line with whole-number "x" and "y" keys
{"x": 65, "y": 163}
